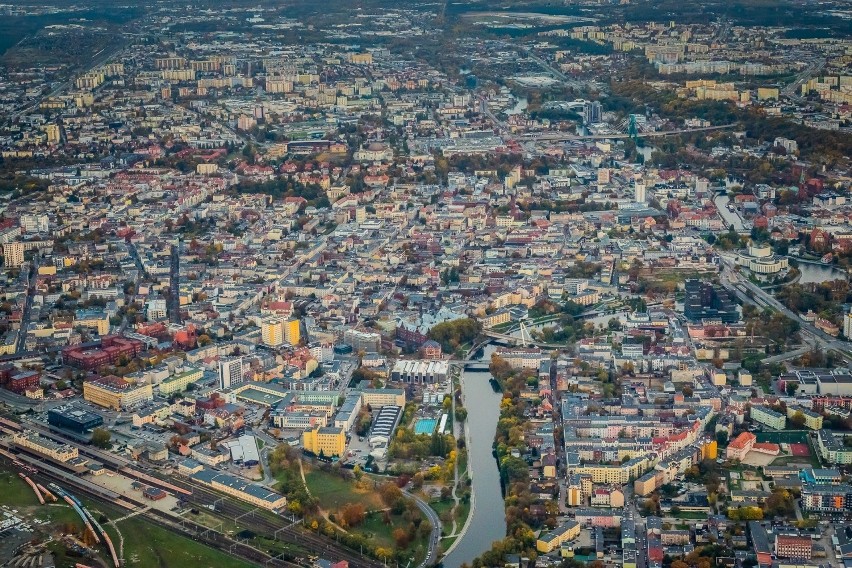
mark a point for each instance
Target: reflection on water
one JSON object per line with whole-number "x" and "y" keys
{"x": 488, "y": 521}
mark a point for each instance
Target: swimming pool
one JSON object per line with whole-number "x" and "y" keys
{"x": 425, "y": 425}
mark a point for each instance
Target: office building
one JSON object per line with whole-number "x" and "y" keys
{"x": 705, "y": 301}
{"x": 326, "y": 441}
{"x": 74, "y": 419}
{"x": 116, "y": 393}
{"x": 230, "y": 372}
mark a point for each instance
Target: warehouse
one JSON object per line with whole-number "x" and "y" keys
{"x": 384, "y": 424}
{"x": 420, "y": 371}
{"x": 236, "y": 487}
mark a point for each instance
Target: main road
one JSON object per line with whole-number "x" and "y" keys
{"x": 730, "y": 280}
{"x": 435, "y": 536}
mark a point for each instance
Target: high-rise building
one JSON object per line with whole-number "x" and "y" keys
{"x": 230, "y": 372}
{"x": 292, "y": 333}
{"x": 847, "y": 325}
{"x": 639, "y": 192}
{"x": 53, "y": 132}
{"x": 705, "y": 301}
{"x": 13, "y": 254}
{"x": 272, "y": 332}
{"x": 592, "y": 112}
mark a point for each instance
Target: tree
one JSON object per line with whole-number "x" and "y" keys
{"x": 687, "y": 390}
{"x": 722, "y": 438}
{"x": 461, "y": 413}
{"x": 791, "y": 388}
{"x": 101, "y": 438}
{"x": 400, "y": 538}
{"x": 798, "y": 419}
{"x": 352, "y": 514}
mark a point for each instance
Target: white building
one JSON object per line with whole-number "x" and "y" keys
{"x": 156, "y": 309}
{"x": 230, "y": 371}
{"x": 34, "y": 223}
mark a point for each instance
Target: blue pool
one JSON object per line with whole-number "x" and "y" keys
{"x": 425, "y": 425}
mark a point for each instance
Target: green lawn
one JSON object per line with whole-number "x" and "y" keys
{"x": 14, "y": 491}
{"x": 333, "y": 492}
{"x": 144, "y": 543}
{"x": 688, "y": 515}
{"x": 149, "y": 545}
{"x": 441, "y": 507}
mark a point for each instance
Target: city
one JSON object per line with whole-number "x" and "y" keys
{"x": 470, "y": 284}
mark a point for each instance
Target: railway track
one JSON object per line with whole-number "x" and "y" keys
{"x": 276, "y": 528}
{"x": 183, "y": 526}
{"x": 262, "y": 523}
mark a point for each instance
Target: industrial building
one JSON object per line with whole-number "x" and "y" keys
{"x": 385, "y": 422}
{"x": 420, "y": 371}
{"x": 250, "y": 492}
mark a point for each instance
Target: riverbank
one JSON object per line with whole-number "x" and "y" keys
{"x": 472, "y": 511}
{"x": 486, "y": 520}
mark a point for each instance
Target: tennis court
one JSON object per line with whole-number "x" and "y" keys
{"x": 800, "y": 450}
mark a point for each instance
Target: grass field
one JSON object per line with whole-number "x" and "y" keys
{"x": 14, "y": 491}
{"x": 333, "y": 492}
{"x": 145, "y": 544}
{"x": 792, "y": 437}
{"x": 148, "y": 545}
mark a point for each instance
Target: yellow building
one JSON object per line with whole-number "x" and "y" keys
{"x": 710, "y": 450}
{"x": 180, "y": 381}
{"x": 377, "y": 398}
{"x": 53, "y": 133}
{"x": 360, "y": 58}
{"x": 548, "y": 542}
{"x": 617, "y": 473}
{"x": 272, "y": 332}
{"x": 45, "y": 446}
{"x": 99, "y": 322}
{"x": 499, "y": 317}
{"x": 646, "y": 484}
{"x": 327, "y": 441}
{"x": 767, "y": 93}
{"x": 292, "y": 334}
{"x": 812, "y": 419}
{"x": 116, "y": 393}
{"x": 575, "y": 496}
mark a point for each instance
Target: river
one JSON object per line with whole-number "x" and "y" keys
{"x": 488, "y": 520}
